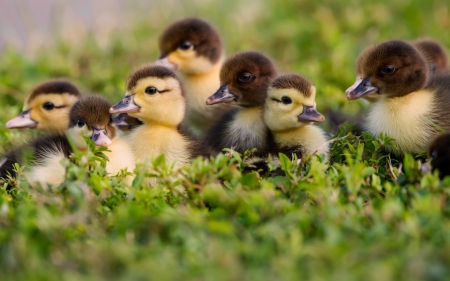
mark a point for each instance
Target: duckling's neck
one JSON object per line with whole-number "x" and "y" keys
{"x": 311, "y": 138}
{"x": 198, "y": 87}
{"x": 247, "y": 130}
{"x": 405, "y": 119}
{"x": 152, "y": 140}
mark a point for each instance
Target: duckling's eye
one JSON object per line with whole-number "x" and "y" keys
{"x": 245, "y": 77}
{"x": 48, "y": 106}
{"x": 151, "y": 90}
{"x": 286, "y": 100}
{"x": 388, "y": 69}
{"x": 186, "y": 45}
{"x": 433, "y": 155}
{"x": 80, "y": 123}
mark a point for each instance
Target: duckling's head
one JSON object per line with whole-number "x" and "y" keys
{"x": 290, "y": 103}
{"x": 47, "y": 107}
{"x": 244, "y": 78}
{"x": 191, "y": 46}
{"x": 90, "y": 117}
{"x": 439, "y": 155}
{"x": 154, "y": 95}
{"x": 393, "y": 68}
{"x": 435, "y": 54}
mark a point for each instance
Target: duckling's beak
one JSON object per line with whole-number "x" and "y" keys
{"x": 360, "y": 88}
{"x": 310, "y": 114}
{"x": 100, "y": 137}
{"x": 122, "y": 123}
{"x": 126, "y": 105}
{"x": 222, "y": 95}
{"x": 164, "y": 61}
{"x": 23, "y": 120}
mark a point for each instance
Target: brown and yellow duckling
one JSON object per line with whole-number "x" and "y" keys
{"x": 245, "y": 78}
{"x": 155, "y": 96}
{"x": 88, "y": 117}
{"x": 410, "y": 104}
{"x": 289, "y": 112}
{"x": 47, "y": 107}
{"x": 194, "y": 48}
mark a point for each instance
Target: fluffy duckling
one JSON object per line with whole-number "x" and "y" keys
{"x": 88, "y": 117}
{"x": 439, "y": 155}
{"x": 289, "y": 112}
{"x": 410, "y": 104}
{"x": 435, "y": 54}
{"x": 47, "y": 107}
{"x": 244, "y": 79}
{"x": 155, "y": 96}
{"x": 193, "y": 47}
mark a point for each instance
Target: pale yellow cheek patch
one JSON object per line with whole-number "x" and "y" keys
{"x": 189, "y": 63}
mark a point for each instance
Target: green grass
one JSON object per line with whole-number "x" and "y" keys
{"x": 363, "y": 217}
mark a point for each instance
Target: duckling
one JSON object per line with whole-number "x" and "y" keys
{"x": 88, "y": 116}
{"x": 439, "y": 153}
{"x": 194, "y": 48}
{"x": 435, "y": 54}
{"x": 410, "y": 104}
{"x": 244, "y": 79}
{"x": 155, "y": 96}
{"x": 125, "y": 122}
{"x": 47, "y": 107}
{"x": 289, "y": 112}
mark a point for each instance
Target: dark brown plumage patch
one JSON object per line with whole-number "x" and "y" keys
{"x": 149, "y": 71}
{"x": 439, "y": 155}
{"x": 293, "y": 81}
{"x": 54, "y": 86}
{"x": 94, "y": 112}
{"x": 411, "y": 69}
{"x": 262, "y": 70}
{"x": 435, "y": 54}
{"x": 198, "y": 32}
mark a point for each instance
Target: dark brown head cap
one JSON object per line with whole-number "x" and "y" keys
{"x": 149, "y": 70}
{"x": 394, "y": 67}
{"x": 435, "y": 54}
{"x": 248, "y": 76}
{"x": 94, "y": 112}
{"x": 294, "y": 81}
{"x": 198, "y": 32}
{"x": 54, "y": 86}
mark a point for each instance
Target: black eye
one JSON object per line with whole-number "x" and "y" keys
{"x": 388, "y": 69}
{"x": 185, "y": 45}
{"x": 286, "y": 100}
{"x": 245, "y": 77}
{"x": 48, "y": 106}
{"x": 80, "y": 123}
{"x": 433, "y": 155}
{"x": 151, "y": 90}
